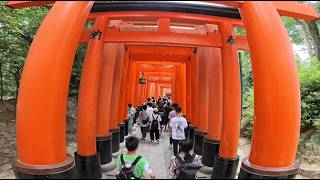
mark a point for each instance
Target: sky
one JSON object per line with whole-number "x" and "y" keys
{"x": 300, "y": 51}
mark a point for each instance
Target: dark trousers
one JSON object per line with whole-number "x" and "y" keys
{"x": 144, "y": 131}
{"x": 154, "y": 132}
{"x": 176, "y": 146}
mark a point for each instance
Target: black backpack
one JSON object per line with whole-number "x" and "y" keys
{"x": 154, "y": 123}
{"x": 187, "y": 170}
{"x": 127, "y": 172}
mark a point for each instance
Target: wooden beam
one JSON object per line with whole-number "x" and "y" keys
{"x": 158, "y": 74}
{"x": 296, "y": 10}
{"x": 174, "y": 17}
{"x": 159, "y": 58}
{"x": 148, "y": 49}
{"x": 284, "y": 8}
{"x": 242, "y": 43}
{"x": 191, "y": 40}
{"x": 163, "y": 50}
{"x": 160, "y": 70}
{"x": 159, "y": 62}
{"x": 161, "y": 38}
{"x": 159, "y": 81}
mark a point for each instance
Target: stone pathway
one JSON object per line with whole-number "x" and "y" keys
{"x": 158, "y": 156}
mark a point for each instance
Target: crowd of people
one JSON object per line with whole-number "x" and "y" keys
{"x": 157, "y": 116}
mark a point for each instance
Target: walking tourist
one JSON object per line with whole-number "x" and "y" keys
{"x": 144, "y": 122}
{"x": 131, "y": 114}
{"x": 178, "y": 124}
{"x": 171, "y": 115}
{"x": 185, "y": 164}
{"x": 131, "y": 165}
{"x": 155, "y": 120}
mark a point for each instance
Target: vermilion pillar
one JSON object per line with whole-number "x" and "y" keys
{"x": 123, "y": 108}
{"x": 142, "y": 96}
{"x": 114, "y": 128}
{"x": 202, "y": 101}
{"x": 42, "y": 100}
{"x": 276, "y": 94}
{"x": 161, "y": 91}
{"x": 124, "y": 86}
{"x": 148, "y": 90}
{"x": 189, "y": 91}
{"x": 87, "y": 108}
{"x": 182, "y": 86}
{"x": 215, "y": 94}
{"x": 174, "y": 86}
{"x": 104, "y": 139}
{"x": 132, "y": 82}
{"x": 225, "y": 165}
{"x": 152, "y": 89}
{"x": 136, "y": 101}
{"x": 124, "y": 98}
{"x": 194, "y": 90}
{"x": 177, "y": 85}
{"x": 194, "y": 97}
{"x": 212, "y": 140}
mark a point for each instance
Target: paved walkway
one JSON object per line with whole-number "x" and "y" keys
{"x": 158, "y": 156}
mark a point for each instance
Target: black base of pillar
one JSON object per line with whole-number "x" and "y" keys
{"x": 104, "y": 148}
{"x": 198, "y": 142}
{"x": 122, "y": 132}
{"x": 250, "y": 171}
{"x": 191, "y": 132}
{"x": 115, "y": 140}
{"x": 126, "y": 126}
{"x": 225, "y": 168}
{"x": 210, "y": 151}
{"x": 64, "y": 170}
{"x": 88, "y": 167}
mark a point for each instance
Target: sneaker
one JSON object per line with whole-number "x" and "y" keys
{"x": 158, "y": 141}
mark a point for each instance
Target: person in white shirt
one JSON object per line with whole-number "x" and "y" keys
{"x": 149, "y": 109}
{"x": 178, "y": 124}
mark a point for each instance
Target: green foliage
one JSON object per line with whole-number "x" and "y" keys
{"x": 17, "y": 29}
{"x": 247, "y": 113}
{"x": 247, "y": 94}
{"x": 76, "y": 71}
{"x": 239, "y": 31}
{"x": 293, "y": 29}
{"x": 309, "y": 75}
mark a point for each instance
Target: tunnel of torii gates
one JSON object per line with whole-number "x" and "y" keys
{"x": 186, "y": 47}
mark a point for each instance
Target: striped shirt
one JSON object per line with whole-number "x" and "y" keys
{"x": 174, "y": 164}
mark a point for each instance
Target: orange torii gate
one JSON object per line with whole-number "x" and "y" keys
{"x": 41, "y": 121}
